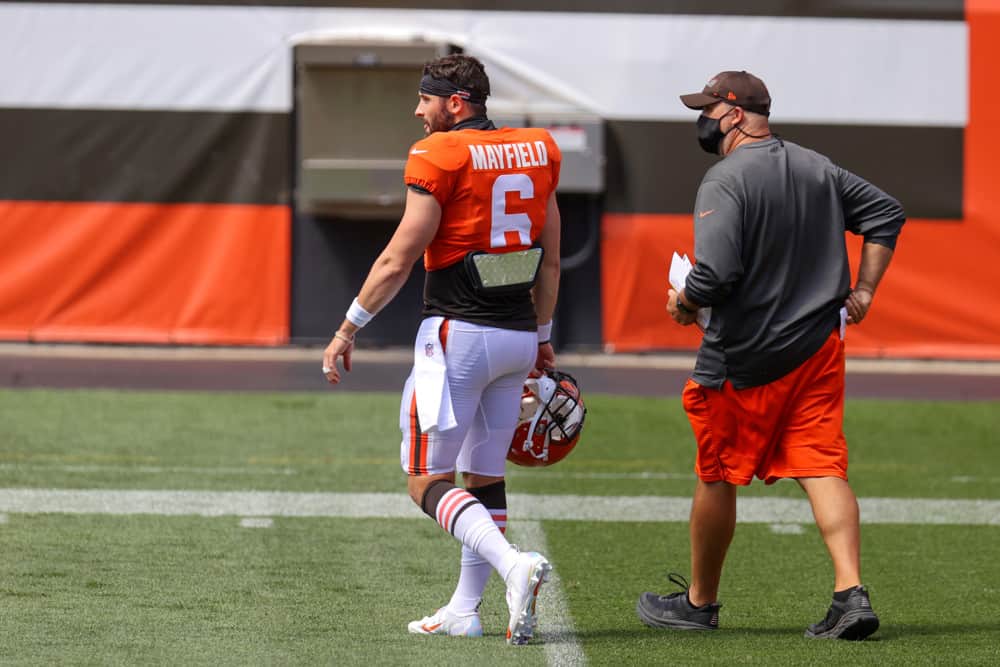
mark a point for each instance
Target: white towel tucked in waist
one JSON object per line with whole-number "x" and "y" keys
{"x": 430, "y": 379}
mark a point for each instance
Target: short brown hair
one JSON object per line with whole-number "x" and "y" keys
{"x": 465, "y": 72}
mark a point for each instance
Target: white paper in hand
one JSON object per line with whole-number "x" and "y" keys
{"x": 680, "y": 267}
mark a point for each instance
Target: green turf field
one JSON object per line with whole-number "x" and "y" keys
{"x": 100, "y": 588}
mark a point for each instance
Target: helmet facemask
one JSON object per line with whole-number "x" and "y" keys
{"x": 552, "y": 416}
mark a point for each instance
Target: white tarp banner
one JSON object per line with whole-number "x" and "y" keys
{"x": 857, "y": 71}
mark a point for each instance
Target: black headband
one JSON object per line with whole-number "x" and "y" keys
{"x": 445, "y": 88}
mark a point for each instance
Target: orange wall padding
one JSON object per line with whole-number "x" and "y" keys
{"x": 635, "y": 257}
{"x": 941, "y": 295}
{"x": 144, "y": 273}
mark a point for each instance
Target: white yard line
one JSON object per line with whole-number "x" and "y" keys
{"x": 548, "y": 473}
{"x": 920, "y": 511}
{"x": 787, "y": 528}
{"x": 555, "y": 625}
{"x": 88, "y": 468}
{"x": 969, "y": 479}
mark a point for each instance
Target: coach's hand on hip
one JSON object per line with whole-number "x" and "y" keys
{"x": 681, "y": 314}
{"x": 858, "y": 302}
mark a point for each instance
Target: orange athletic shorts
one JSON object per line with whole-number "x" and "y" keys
{"x": 789, "y": 428}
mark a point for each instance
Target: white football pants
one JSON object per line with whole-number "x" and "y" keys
{"x": 486, "y": 370}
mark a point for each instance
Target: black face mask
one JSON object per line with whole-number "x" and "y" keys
{"x": 710, "y": 134}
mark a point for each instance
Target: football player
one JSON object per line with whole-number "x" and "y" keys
{"x": 481, "y": 209}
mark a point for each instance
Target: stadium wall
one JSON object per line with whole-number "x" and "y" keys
{"x": 148, "y": 198}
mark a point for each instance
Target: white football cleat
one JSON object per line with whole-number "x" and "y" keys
{"x": 443, "y": 622}
{"x": 523, "y": 583}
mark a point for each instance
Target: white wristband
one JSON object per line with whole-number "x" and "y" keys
{"x": 544, "y": 333}
{"x": 357, "y": 315}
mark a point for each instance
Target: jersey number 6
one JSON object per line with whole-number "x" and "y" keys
{"x": 507, "y": 229}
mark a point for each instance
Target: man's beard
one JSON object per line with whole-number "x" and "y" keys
{"x": 441, "y": 123}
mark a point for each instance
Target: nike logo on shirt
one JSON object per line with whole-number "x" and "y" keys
{"x": 702, "y": 214}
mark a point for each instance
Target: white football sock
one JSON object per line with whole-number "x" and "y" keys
{"x": 470, "y": 522}
{"x": 472, "y": 581}
{"x": 475, "y": 572}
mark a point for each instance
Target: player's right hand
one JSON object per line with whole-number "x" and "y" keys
{"x": 546, "y": 359}
{"x": 340, "y": 346}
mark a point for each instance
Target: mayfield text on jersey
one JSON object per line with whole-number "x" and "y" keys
{"x": 493, "y": 187}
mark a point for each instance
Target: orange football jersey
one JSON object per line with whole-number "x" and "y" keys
{"x": 493, "y": 187}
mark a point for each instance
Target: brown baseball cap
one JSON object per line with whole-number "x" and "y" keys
{"x": 741, "y": 89}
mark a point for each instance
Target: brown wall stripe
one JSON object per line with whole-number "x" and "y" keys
{"x": 145, "y": 156}
{"x": 656, "y": 166}
{"x": 949, "y": 10}
{"x": 244, "y": 158}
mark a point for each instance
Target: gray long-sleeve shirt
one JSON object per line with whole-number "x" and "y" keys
{"x": 771, "y": 258}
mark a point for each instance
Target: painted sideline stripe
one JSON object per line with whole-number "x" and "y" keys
{"x": 87, "y": 468}
{"x": 530, "y": 507}
{"x": 787, "y": 528}
{"x": 554, "y": 621}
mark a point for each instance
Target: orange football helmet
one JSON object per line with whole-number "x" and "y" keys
{"x": 552, "y": 414}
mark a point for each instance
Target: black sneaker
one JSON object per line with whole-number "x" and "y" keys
{"x": 852, "y": 620}
{"x": 676, "y": 611}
